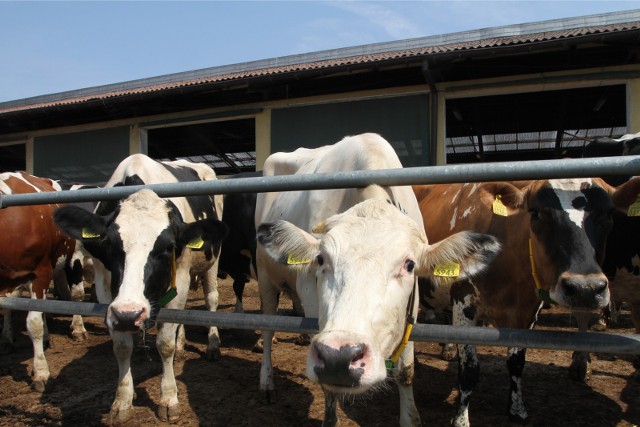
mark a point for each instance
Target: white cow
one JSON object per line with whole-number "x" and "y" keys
{"x": 145, "y": 251}
{"x": 353, "y": 257}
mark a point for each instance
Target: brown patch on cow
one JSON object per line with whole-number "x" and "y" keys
{"x": 405, "y": 376}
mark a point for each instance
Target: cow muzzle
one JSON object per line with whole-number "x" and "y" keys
{"x": 590, "y": 291}
{"x": 127, "y": 318}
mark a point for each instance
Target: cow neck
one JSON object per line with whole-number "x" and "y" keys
{"x": 543, "y": 294}
{"x": 172, "y": 291}
{"x": 391, "y": 362}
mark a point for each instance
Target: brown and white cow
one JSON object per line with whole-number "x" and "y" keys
{"x": 553, "y": 234}
{"x": 145, "y": 250}
{"x": 33, "y": 251}
{"x": 353, "y": 257}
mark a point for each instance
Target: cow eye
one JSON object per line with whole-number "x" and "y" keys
{"x": 409, "y": 265}
{"x": 320, "y": 259}
{"x": 535, "y": 214}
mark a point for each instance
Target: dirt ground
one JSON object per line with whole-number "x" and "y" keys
{"x": 225, "y": 393}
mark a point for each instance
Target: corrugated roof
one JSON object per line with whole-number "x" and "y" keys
{"x": 464, "y": 41}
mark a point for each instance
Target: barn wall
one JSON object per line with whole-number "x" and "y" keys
{"x": 403, "y": 121}
{"x": 85, "y": 157}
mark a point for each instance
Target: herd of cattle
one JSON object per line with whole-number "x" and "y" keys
{"x": 357, "y": 259}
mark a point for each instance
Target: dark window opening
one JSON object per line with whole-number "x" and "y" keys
{"x": 532, "y": 126}
{"x": 229, "y": 147}
{"x": 13, "y": 158}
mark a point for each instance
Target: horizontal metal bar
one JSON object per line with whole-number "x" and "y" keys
{"x": 536, "y": 169}
{"x": 551, "y": 340}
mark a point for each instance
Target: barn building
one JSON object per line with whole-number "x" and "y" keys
{"x": 518, "y": 92}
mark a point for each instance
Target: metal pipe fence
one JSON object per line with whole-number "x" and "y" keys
{"x": 503, "y": 337}
{"x": 537, "y": 169}
{"x": 558, "y": 340}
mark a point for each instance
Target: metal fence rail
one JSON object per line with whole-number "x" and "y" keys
{"x": 538, "y": 169}
{"x": 550, "y": 340}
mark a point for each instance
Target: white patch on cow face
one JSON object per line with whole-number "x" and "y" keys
{"x": 143, "y": 216}
{"x": 467, "y": 212}
{"x": 566, "y": 191}
{"x": 363, "y": 287}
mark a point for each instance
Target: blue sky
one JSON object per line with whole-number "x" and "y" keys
{"x": 54, "y": 46}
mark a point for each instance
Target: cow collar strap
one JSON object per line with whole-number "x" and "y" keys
{"x": 172, "y": 292}
{"x": 542, "y": 293}
{"x": 391, "y": 362}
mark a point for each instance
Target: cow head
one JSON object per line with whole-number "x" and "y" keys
{"x": 143, "y": 246}
{"x": 366, "y": 262}
{"x": 569, "y": 223}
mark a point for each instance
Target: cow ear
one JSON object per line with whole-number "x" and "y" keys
{"x": 458, "y": 257}
{"x": 202, "y": 234}
{"x": 503, "y": 198}
{"x": 79, "y": 223}
{"x": 287, "y": 244}
{"x": 626, "y": 194}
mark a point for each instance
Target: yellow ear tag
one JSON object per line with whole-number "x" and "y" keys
{"x": 498, "y": 207}
{"x": 447, "y": 269}
{"x": 292, "y": 260}
{"x": 196, "y": 243}
{"x": 88, "y": 234}
{"x": 634, "y": 209}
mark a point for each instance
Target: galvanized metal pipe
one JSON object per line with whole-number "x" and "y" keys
{"x": 537, "y": 169}
{"x": 551, "y": 340}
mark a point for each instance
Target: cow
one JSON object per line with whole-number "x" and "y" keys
{"x": 33, "y": 252}
{"x": 238, "y": 255}
{"x": 352, "y": 256}
{"x": 622, "y": 259}
{"x": 553, "y": 234}
{"x": 145, "y": 250}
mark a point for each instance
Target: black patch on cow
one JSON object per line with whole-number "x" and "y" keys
{"x": 159, "y": 265}
{"x": 107, "y": 207}
{"x": 201, "y": 206}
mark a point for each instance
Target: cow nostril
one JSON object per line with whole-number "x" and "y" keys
{"x": 126, "y": 320}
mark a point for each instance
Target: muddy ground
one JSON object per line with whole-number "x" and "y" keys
{"x": 225, "y": 393}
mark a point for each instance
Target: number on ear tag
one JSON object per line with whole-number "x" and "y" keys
{"x": 447, "y": 269}
{"x": 88, "y": 234}
{"x": 292, "y": 260}
{"x": 498, "y": 207}
{"x": 634, "y": 209}
{"x": 196, "y": 243}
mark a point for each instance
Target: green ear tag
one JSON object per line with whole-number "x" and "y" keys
{"x": 166, "y": 298}
{"x": 196, "y": 243}
{"x": 389, "y": 365}
{"x": 88, "y": 234}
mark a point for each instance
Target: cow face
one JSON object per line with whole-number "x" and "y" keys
{"x": 142, "y": 244}
{"x": 365, "y": 262}
{"x": 569, "y": 224}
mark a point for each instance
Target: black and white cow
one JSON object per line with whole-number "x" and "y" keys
{"x": 145, "y": 249}
{"x": 622, "y": 260}
{"x": 238, "y": 256}
{"x": 353, "y": 257}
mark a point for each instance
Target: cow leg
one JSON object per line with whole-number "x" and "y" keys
{"x": 409, "y": 416}
{"x": 7, "y": 339}
{"x": 239, "y": 280}
{"x": 210, "y": 286}
{"x": 330, "y": 409}
{"x": 268, "y": 305}
{"x": 468, "y": 366}
{"x": 580, "y": 369}
{"x": 122, "y": 406}
{"x": 169, "y": 408}
{"x": 515, "y": 364}
{"x": 36, "y": 329}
